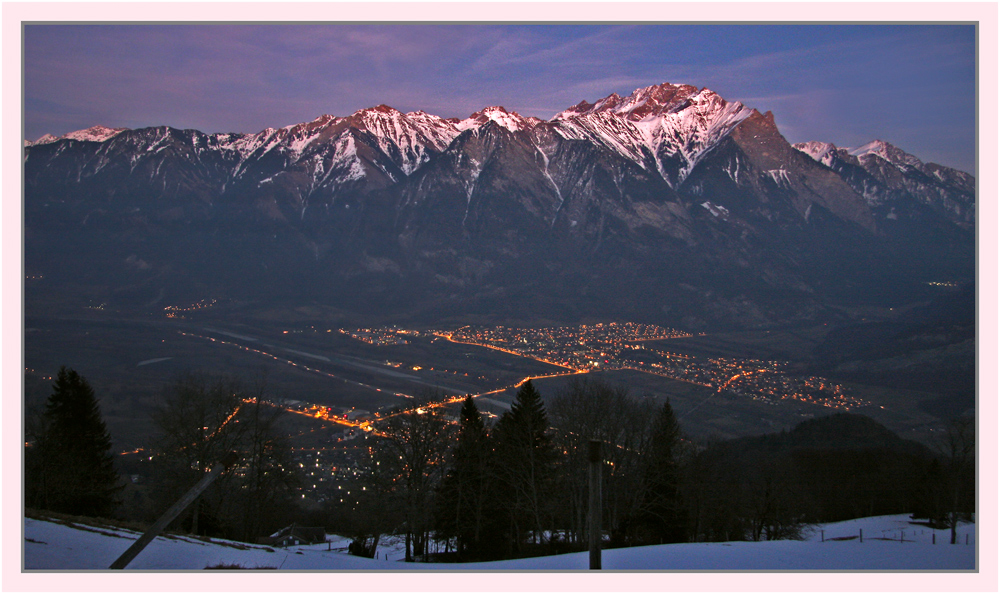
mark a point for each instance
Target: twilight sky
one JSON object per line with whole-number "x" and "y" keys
{"x": 911, "y": 85}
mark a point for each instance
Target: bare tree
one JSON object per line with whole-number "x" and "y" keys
{"x": 201, "y": 418}
{"x": 266, "y": 478}
{"x": 957, "y": 447}
{"x": 412, "y": 454}
{"x": 195, "y": 418}
{"x": 595, "y": 410}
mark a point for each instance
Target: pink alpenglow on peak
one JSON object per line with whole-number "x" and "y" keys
{"x": 92, "y": 134}
{"x": 888, "y": 152}
{"x": 510, "y": 120}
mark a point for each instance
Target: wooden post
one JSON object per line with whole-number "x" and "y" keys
{"x": 822, "y": 535}
{"x": 594, "y": 455}
{"x": 861, "y": 534}
{"x": 173, "y": 512}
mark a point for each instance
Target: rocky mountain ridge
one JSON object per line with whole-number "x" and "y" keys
{"x": 670, "y": 205}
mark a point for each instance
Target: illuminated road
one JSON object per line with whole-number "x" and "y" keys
{"x": 449, "y": 338}
{"x": 740, "y": 375}
{"x": 294, "y": 364}
{"x": 321, "y": 413}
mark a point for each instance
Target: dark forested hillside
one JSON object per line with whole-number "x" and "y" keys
{"x": 829, "y": 469}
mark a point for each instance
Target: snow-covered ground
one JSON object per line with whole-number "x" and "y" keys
{"x": 55, "y": 546}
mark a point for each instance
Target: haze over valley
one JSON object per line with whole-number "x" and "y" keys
{"x": 671, "y": 208}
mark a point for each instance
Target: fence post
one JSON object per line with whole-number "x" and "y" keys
{"x": 861, "y": 534}
{"x": 595, "y": 504}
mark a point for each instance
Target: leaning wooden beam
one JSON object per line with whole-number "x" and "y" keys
{"x": 173, "y": 512}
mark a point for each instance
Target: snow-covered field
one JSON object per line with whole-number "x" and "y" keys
{"x": 54, "y": 546}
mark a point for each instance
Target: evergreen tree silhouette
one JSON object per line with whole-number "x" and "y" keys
{"x": 525, "y": 465}
{"x": 661, "y": 512}
{"x": 465, "y": 492}
{"x": 73, "y": 471}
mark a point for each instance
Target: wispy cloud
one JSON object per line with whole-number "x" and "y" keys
{"x": 816, "y": 79}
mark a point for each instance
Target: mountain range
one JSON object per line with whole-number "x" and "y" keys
{"x": 671, "y": 205}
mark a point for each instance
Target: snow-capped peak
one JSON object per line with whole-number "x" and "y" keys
{"x": 324, "y": 119}
{"x": 677, "y": 123}
{"x": 95, "y": 133}
{"x": 511, "y": 120}
{"x": 815, "y": 149}
{"x": 585, "y": 107}
{"x": 307, "y": 128}
{"x": 381, "y": 108}
{"x": 409, "y": 139}
{"x": 821, "y": 152}
{"x": 890, "y": 153}
{"x": 683, "y": 124}
{"x": 656, "y": 100}
{"x": 645, "y": 102}
{"x": 92, "y": 134}
{"x": 46, "y": 139}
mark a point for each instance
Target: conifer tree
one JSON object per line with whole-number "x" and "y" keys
{"x": 660, "y": 510}
{"x": 73, "y": 471}
{"x": 464, "y": 494}
{"x": 525, "y": 463}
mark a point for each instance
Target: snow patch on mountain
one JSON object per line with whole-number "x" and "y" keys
{"x": 408, "y": 139}
{"x": 299, "y": 138}
{"x": 609, "y": 131}
{"x": 780, "y": 177}
{"x": 548, "y": 176}
{"x": 715, "y": 209}
{"x": 347, "y": 161}
{"x": 689, "y": 133}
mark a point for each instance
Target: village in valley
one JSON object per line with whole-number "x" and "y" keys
{"x": 332, "y": 450}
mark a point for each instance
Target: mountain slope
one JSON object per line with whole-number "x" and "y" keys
{"x": 670, "y": 205}
{"x": 898, "y": 184}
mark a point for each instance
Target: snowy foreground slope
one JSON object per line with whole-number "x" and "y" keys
{"x": 53, "y": 546}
